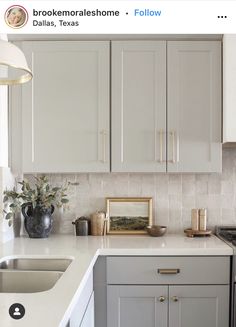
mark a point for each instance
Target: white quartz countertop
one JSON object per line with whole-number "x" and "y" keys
{"x": 53, "y": 308}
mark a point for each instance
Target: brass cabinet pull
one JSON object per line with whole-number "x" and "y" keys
{"x": 175, "y": 298}
{"x": 177, "y": 147}
{"x": 160, "y": 133}
{"x": 172, "y": 134}
{"x": 162, "y": 298}
{"x": 161, "y": 145}
{"x": 104, "y": 136}
{"x": 173, "y": 146}
{"x": 168, "y": 271}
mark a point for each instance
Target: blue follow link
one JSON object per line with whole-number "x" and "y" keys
{"x": 147, "y": 12}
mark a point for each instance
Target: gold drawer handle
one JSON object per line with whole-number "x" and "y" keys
{"x": 162, "y": 298}
{"x": 168, "y": 271}
{"x": 175, "y": 298}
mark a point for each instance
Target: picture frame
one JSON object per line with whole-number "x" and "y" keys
{"x": 128, "y": 215}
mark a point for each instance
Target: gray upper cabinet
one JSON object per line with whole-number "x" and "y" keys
{"x": 165, "y": 107}
{"x": 194, "y": 106}
{"x": 138, "y": 106}
{"x": 65, "y": 108}
{"x": 147, "y": 88}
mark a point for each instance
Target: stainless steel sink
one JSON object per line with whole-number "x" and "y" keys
{"x": 30, "y": 275}
{"x": 15, "y": 281}
{"x": 38, "y": 264}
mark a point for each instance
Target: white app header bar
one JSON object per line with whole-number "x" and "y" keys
{"x": 113, "y": 17}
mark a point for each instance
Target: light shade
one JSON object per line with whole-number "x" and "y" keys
{"x": 13, "y": 65}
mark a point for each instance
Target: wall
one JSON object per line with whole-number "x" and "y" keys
{"x": 7, "y": 181}
{"x": 174, "y": 195}
{"x": 6, "y": 178}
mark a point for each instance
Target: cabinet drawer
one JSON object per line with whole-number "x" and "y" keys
{"x": 168, "y": 270}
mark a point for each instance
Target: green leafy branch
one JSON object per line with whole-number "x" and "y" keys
{"x": 42, "y": 194}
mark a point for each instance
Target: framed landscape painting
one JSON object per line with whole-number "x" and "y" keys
{"x": 128, "y": 215}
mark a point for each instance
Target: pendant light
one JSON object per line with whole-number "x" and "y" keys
{"x": 13, "y": 65}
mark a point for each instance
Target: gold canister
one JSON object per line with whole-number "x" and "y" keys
{"x": 195, "y": 219}
{"x": 203, "y": 219}
{"x": 97, "y": 223}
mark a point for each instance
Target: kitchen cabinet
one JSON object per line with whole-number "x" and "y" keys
{"x": 138, "y": 106}
{"x": 229, "y": 94}
{"x": 166, "y": 106}
{"x": 194, "y": 106}
{"x": 83, "y": 312}
{"x": 88, "y": 319}
{"x": 65, "y": 109}
{"x": 168, "y": 291}
{"x": 135, "y": 306}
{"x": 138, "y": 306}
{"x": 199, "y": 306}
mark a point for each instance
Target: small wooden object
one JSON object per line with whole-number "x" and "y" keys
{"x": 198, "y": 233}
{"x": 97, "y": 223}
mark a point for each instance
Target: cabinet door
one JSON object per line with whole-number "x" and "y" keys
{"x": 88, "y": 319}
{"x": 66, "y": 107}
{"x": 137, "y": 306}
{"x": 199, "y": 306}
{"x": 194, "y": 106}
{"x": 138, "y": 106}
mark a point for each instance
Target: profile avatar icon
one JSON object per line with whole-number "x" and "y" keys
{"x": 17, "y": 312}
{"x": 16, "y": 16}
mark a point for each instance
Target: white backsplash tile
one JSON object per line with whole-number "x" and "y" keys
{"x": 175, "y": 187}
{"x": 173, "y": 195}
{"x": 189, "y": 178}
{"x": 188, "y": 188}
{"x": 188, "y": 201}
{"x": 214, "y": 184}
{"x": 214, "y": 201}
{"x": 227, "y": 201}
{"x": 227, "y": 187}
{"x": 201, "y": 187}
{"x": 162, "y": 184}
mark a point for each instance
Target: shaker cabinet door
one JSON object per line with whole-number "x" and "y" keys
{"x": 137, "y": 306}
{"x": 138, "y": 106}
{"x": 66, "y": 107}
{"x": 194, "y": 106}
{"x": 199, "y": 306}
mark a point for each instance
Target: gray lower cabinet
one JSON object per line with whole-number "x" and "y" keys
{"x": 168, "y": 291}
{"x": 137, "y": 306}
{"x": 199, "y": 306}
{"x": 155, "y": 306}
